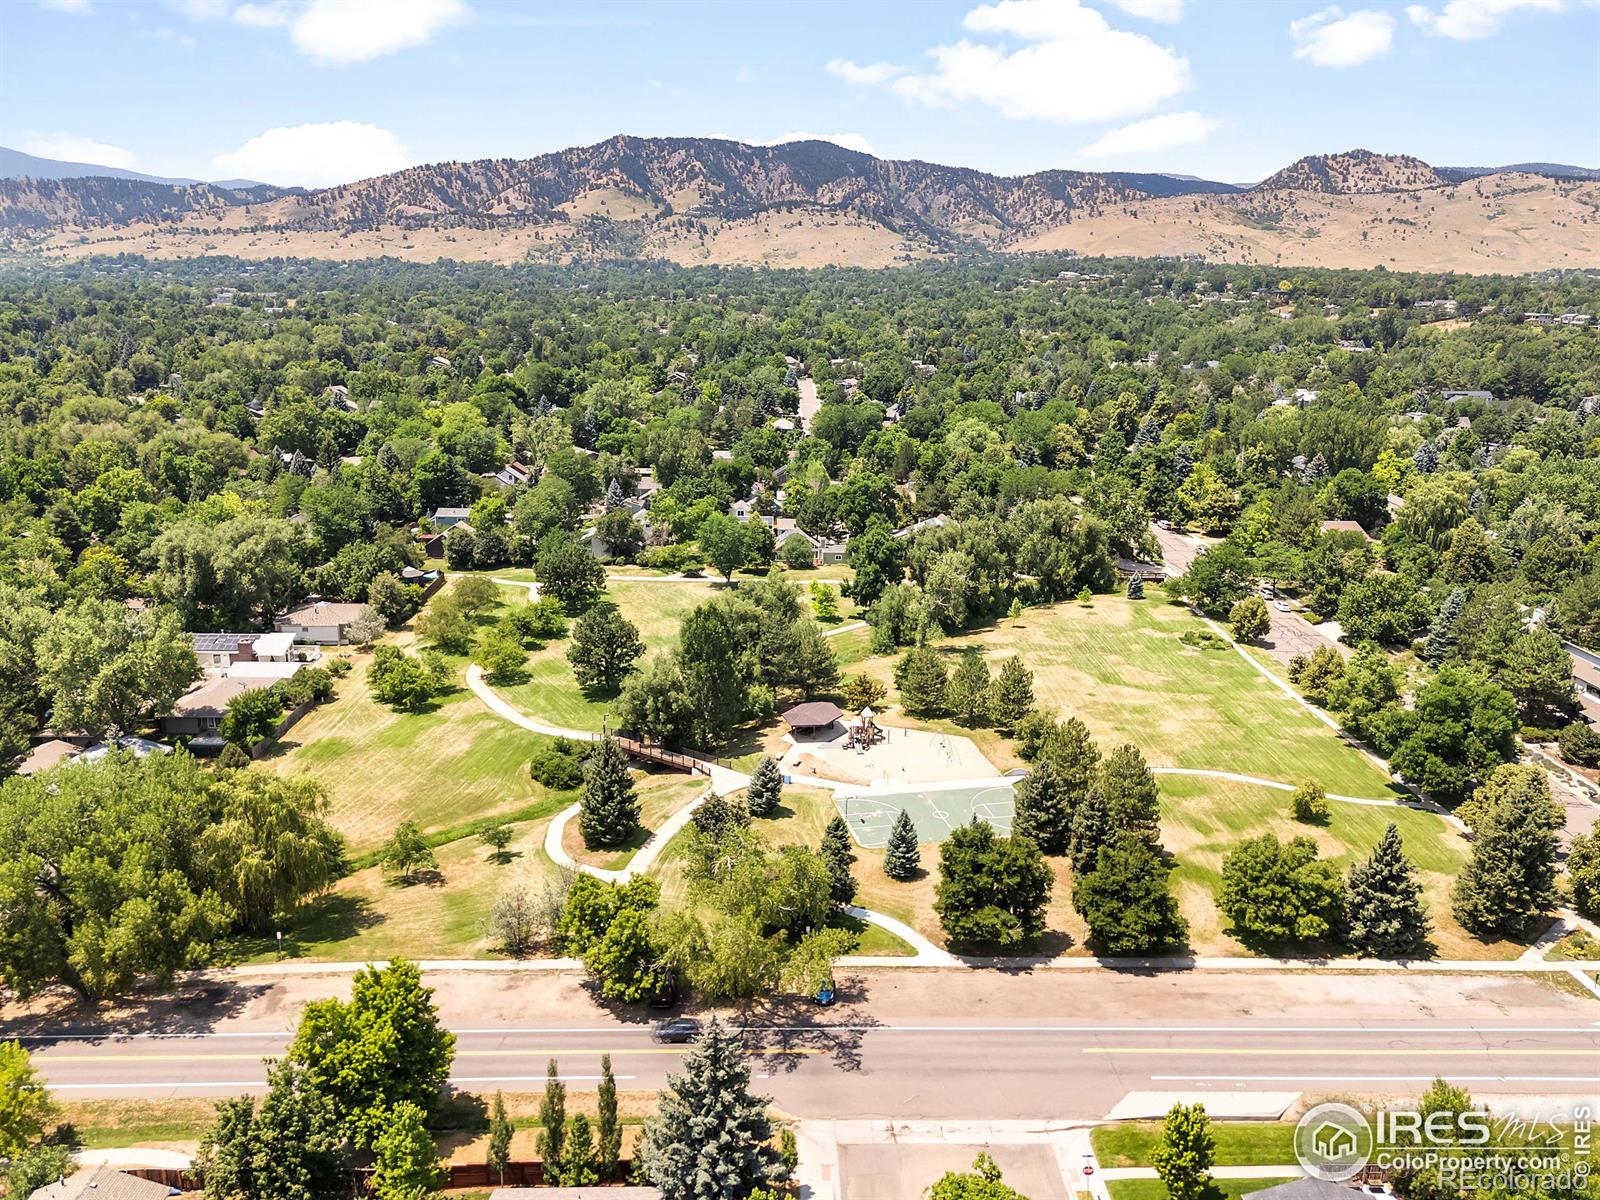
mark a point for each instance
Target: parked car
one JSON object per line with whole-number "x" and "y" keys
{"x": 666, "y": 996}
{"x": 824, "y": 996}
{"x": 1281, "y": 606}
{"x": 676, "y": 1030}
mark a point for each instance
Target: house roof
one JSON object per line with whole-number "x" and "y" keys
{"x": 46, "y": 755}
{"x": 1345, "y": 527}
{"x": 813, "y": 714}
{"x": 450, "y": 511}
{"x": 322, "y": 612}
{"x": 1309, "y": 1188}
{"x": 270, "y": 645}
{"x": 103, "y": 1183}
{"x": 210, "y": 699}
{"x": 221, "y": 643}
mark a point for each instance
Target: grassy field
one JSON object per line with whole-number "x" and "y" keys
{"x": 1154, "y": 1189}
{"x": 1202, "y": 819}
{"x": 1239, "y": 1143}
{"x": 1120, "y": 668}
{"x": 661, "y": 793}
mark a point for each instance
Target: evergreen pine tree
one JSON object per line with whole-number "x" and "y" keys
{"x": 1125, "y": 900}
{"x": 613, "y": 495}
{"x": 1316, "y": 473}
{"x": 1091, "y": 829}
{"x": 967, "y": 696}
{"x": 1135, "y": 587}
{"x": 1183, "y": 457}
{"x": 902, "y": 859}
{"x": 1510, "y": 880}
{"x": 922, "y": 681}
{"x": 1426, "y": 459}
{"x": 608, "y": 1149}
{"x": 1132, "y": 801}
{"x": 1042, "y": 810}
{"x": 838, "y": 856}
{"x": 765, "y": 792}
{"x": 1442, "y": 631}
{"x": 1072, "y": 752}
{"x": 1011, "y": 697}
{"x": 1384, "y": 907}
{"x": 500, "y": 1130}
{"x": 609, "y": 813}
{"x": 552, "y": 1121}
{"x": 712, "y": 1138}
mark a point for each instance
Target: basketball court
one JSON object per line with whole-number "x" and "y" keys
{"x": 935, "y": 811}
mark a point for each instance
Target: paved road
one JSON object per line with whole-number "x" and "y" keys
{"x": 1041, "y": 1047}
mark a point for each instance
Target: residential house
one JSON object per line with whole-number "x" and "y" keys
{"x": 215, "y": 650}
{"x": 320, "y": 622}
{"x": 1574, "y": 318}
{"x": 137, "y": 746}
{"x": 50, "y": 753}
{"x": 340, "y": 396}
{"x": 1537, "y": 318}
{"x": 198, "y": 712}
{"x": 1586, "y": 680}
{"x": 513, "y": 474}
{"x": 917, "y": 527}
{"x": 431, "y": 543}
{"x": 444, "y": 517}
{"x": 1468, "y": 394}
{"x": 103, "y": 1183}
{"x": 828, "y": 553}
{"x": 1345, "y": 527}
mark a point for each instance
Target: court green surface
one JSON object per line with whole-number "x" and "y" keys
{"x": 935, "y": 811}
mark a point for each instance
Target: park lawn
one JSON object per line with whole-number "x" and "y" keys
{"x": 661, "y": 793}
{"x": 1118, "y": 666}
{"x": 799, "y": 821}
{"x": 442, "y": 914}
{"x": 1204, "y": 819}
{"x": 1239, "y": 1143}
{"x": 551, "y": 692}
{"x": 1221, "y": 1189}
{"x": 176, "y": 1124}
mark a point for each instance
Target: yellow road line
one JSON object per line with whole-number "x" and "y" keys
{"x": 514, "y": 1053}
{"x": 1350, "y": 1051}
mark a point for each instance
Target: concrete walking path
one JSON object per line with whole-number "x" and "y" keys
{"x": 481, "y": 689}
{"x": 1272, "y": 783}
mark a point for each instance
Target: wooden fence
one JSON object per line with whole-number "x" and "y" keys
{"x": 676, "y": 759}
{"x": 456, "y": 1175}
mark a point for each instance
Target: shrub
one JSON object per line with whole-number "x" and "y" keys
{"x": 558, "y": 766}
{"x": 1580, "y": 744}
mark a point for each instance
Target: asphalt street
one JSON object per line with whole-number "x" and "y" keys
{"x": 953, "y": 1068}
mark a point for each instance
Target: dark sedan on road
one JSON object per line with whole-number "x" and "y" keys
{"x": 676, "y": 1030}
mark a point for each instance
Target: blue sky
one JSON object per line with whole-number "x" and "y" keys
{"x": 321, "y": 91}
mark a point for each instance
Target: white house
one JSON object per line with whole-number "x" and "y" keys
{"x": 320, "y": 622}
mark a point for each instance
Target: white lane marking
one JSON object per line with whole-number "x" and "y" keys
{"x": 231, "y": 1083}
{"x": 593, "y": 1030}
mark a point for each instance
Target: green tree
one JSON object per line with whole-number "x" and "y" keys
{"x": 626, "y": 961}
{"x": 712, "y": 1138}
{"x": 839, "y": 856}
{"x": 1462, "y": 725}
{"x": 1249, "y": 619}
{"x": 765, "y": 792}
{"x": 1583, "y": 873}
{"x": 577, "y": 1155}
{"x": 1128, "y": 789}
{"x": 405, "y": 1162}
{"x": 609, "y": 813}
{"x": 967, "y": 694}
{"x": 292, "y": 1148}
{"x": 26, "y": 1108}
{"x": 1011, "y": 698}
{"x": 552, "y": 1122}
{"x": 1280, "y": 892}
{"x": 1509, "y": 882}
{"x": 863, "y": 691}
{"x": 923, "y": 681}
{"x": 1310, "y": 803}
{"x": 502, "y": 657}
{"x": 1537, "y": 671}
{"x": 401, "y": 681}
{"x": 251, "y": 717}
{"x": 1135, "y": 587}
{"x": 902, "y": 857}
{"x": 1126, "y": 902}
{"x": 722, "y": 542}
{"x": 1044, "y": 810}
{"x": 500, "y": 1131}
{"x": 567, "y": 572}
{"x": 605, "y": 647}
{"x": 1385, "y": 914}
{"x": 983, "y": 1182}
{"x": 1184, "y": 1153}
{"x": 1441, "y": 640}
{"x": 1382, "y": 608}
{"x": 991, "y": 890}
{"x": 608, "y": 1144}
{"x": 760, "y": 544}
{"x": 446, "y": 625}
{"x": 383, "y": 1048}
{"x": 497, "y": 837}
{"x": 104, "y": 669}
{"x": 824, "y": 602}
{"x": 1580, "y": 744}
{"x": 407, "y": 852}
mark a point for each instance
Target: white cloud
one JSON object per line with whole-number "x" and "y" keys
{"x": 262, "y": 16}
{"x": 1152, "y": 10}
{"x": 316, "y": 155}
{"x": 1152, "y": 135}
{"x": 850, "y": 141}
{"x": 200, "y": 10}
{"x": 853, "y": 72}
{"x": 77, "y": 8}
{"x": 1467, "y": 20}
{"x": 1331, "y": 38}
{"x": 1071, "y": 66}
{"x": 351, "y": 31}
{"x": 72, "y": 148}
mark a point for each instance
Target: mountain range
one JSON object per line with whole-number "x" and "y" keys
{"x": 812, "y": 203}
